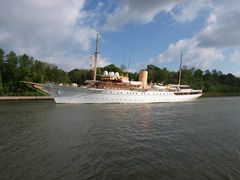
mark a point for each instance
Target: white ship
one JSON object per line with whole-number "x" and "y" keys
{"x": 115, "y": 88}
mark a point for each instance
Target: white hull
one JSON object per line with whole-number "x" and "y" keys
{"x": 85, "y": 95}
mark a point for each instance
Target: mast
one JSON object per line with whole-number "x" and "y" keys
{"x": 95, "y": 60}
{"x": 180, "y": 70}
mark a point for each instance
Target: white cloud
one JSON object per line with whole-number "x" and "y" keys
{"x": 237, "y": 74}
{"x": 138, "y": 12}
{"x": 235, "y": 56}
{"x": 222, "y": 26}
{"x": 193, "y": 55}
{"x": 103, "y": 61}
{"x": 173, "y": 51}
{"x": 76, "y": 62}
{"x": 188, "y": 10}
{"x": 203, "y": 58}
{"x": 45, "y": 29}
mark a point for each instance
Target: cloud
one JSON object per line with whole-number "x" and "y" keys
{"x": 235, "y": 56}
{"x": 222, "y": 26}
{"x": 237, "y": 74}
{"x": 73, "y": 61}
{"x": 4, "y": 36}
{"x": 193, "y": 55}
{"x": 188, "y": 10}
{"x": 45, "y": 29}
{"x": 138, "y": 12}
{"x": 103, "y": 61}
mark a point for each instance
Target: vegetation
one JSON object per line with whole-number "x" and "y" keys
{"x": 14, "y": 69}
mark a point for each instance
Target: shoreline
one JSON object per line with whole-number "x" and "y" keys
{"x": 221, "y": 94}
{"x": 25, "y": 98}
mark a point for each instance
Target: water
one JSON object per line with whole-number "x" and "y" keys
{"x": 193, "y": 140}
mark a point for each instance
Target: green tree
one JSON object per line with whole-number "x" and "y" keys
{"x": 1, "y": 85}
{"x": 78, "y": 76}
{"x": 61, "y": 76}
{"x": 198, "y": 79}
{"x": 156, "y": 74}
{"x": 1, "y": 70}
{"x": 11, "y": 74}
{"x": 37, "y": 71}
{"x": 112, "y": 67}
{"x": 48, "y": 73}
{"x": 1, "y": 60}
{"x": 24, "y": 67}
{"x": 133, "y": 76}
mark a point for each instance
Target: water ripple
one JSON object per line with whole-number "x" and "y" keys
{"x": 194, "y": 140}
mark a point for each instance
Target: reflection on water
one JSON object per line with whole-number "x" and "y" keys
{"x": 193, "y": 140}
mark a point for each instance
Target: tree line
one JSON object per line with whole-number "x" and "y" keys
{"x": 17, "y": 68}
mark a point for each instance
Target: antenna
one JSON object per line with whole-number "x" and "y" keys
{"x": 180, "y": 69}
{"x": 95, "y": 60}
{"x": 130, "y": 57}
{"x": 124, "y": 60}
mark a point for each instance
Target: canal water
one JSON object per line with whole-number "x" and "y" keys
{"x": 192, "y": 140}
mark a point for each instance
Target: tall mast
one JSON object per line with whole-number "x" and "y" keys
{"x": 95, "y": 60}
{"x": 180, "y": 70}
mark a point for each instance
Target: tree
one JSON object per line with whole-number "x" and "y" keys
{"x": 11, "y": 75}
{"x": 24, "y": 67}
{"x": 198, "y": 79}
{"x": 56, "y": 75}
{"x": 231, "y": 79}
{"x": 113, "y": 68}
{"x": 79, "y": 75}
{"x": 37, "y": 71}
{"x": 1, "y": 70}
{"x": 133, "y": 76}
{"x": 1, "y": 85}
{"x": 1, "y": 60}
{"x": 60, "y": 76}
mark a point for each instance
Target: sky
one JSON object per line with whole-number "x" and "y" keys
{"x": 132, "y": 32}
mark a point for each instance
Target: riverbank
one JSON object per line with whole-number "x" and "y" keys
{"x": 24, "y": 98}
{"x": 219, "y": 94}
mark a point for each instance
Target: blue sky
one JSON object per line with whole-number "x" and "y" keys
{"x": 143, "y": 32}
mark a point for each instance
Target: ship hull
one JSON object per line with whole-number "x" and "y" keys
{"x": 92, "y": 95}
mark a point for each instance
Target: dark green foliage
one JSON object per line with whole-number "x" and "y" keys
{"x": 38, "y": 71}
{"x": 112, "y": 67}
{"x": 1, "y": 70}
{"x": 158, "y": 75}
{"x": 78, "y": 75}
{"x": 14, "y": 69}
{"x": 133, "y": 76}
{"x": 1, "y": 85}
{"x": 57, "y": 75}
{"x": 1, "y": 60}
